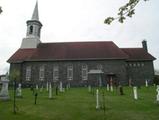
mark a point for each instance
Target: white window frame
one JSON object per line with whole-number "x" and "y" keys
{"x": 138, "y": 64}
{"x": 42, "y": 73}
{"x": 70, "y": 72}
{"x": 28, "y": 73}
{"x": 84, "y": 72}
{"x": 130, "y": 64}
{"x": 55, "y": 73}
{"x": 142, "y": 64}
{"x": 134, "y": 64}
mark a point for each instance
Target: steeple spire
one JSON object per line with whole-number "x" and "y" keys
{"x": 35, "y": 15}
{"x": 33, "y": 30}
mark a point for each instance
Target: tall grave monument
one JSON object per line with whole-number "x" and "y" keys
{"x": 4, "y": 95}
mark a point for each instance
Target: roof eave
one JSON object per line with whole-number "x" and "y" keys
{"x": 34, "y": 60}
{"x": 141, "y": 59}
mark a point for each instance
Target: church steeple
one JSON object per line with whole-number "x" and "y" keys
{"x": 34, "y": 25}
{"x": 33, "y": 30}
{"x": 35, "y": 15}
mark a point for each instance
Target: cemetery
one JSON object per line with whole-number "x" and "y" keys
{"x": 81, "y": 103}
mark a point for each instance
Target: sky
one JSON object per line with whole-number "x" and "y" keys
{"x": 78, "y": 20}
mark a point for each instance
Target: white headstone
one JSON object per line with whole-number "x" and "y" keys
{"x": 37, "y": 87}
{"x": 130, "y": 82}
{"x": 135, "y": 93}
{"x": 47, "y": 86}
{"x": 111, "y": 88}
{"x": 89, "y": 88}
{"x": 97, "y": 99}
{"x": 157, "y": 96}
{"x": 107, "y": 87}
{"x": 50, "y": 91}
{"x": 61, "y": 88}
{"x": 19, "y": 90}
{"x": 4, "y": 95}
{"x": 111, "y": 84}
{"x": 146, "y": 83}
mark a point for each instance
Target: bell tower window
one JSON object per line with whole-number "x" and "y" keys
{"x": 31, "y": 30}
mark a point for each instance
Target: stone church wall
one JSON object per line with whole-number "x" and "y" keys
{"x": 123, "y": 71}
{"x": 108, "y": 66}
{"x": 139, "y": 71}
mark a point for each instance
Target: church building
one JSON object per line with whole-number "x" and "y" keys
{"x": 79, "y": 63}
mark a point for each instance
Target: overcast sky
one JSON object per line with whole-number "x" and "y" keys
{"x": 78, "y": 20}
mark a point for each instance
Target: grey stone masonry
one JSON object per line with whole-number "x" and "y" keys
{"x": 108, "y": 66}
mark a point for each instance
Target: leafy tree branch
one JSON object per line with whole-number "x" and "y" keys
{"x": 1, "y": 10}
{"x": 128, "y": 10}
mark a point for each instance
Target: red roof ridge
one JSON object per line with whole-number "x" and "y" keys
{"x": 78, "y": 42}
{"x": 70, "y": 50}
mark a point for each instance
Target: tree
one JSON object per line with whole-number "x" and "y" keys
{"x": 128, "y": 10}
{"x": 14, "y": 75}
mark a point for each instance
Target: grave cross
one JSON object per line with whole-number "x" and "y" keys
{"x": 36, "y": 94}
{"x": 97, "y": 99}
{"x": 135, "y": 93}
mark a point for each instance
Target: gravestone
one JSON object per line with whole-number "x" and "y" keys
{"x": 4, "y": 95}
{"x": 146, "y": 83}
{"x": 19, "y": 90}
{"x": 107, "y": 87}
{"x": 135, "y": 93}
{"x": 36, "y": 95}
{"x": 121, "y": 90}
{"x": 111, "y": 88}
{"x": 130, "y": 82}
{"x": 157, "y": 96}
{"x": 47, "y": 86}
{"x": 37, "y": 87}
{"x": 89, "y": 88}
{"x": 50, "y": 91}
{"x": 111, "y": 84}
{"x": 68, "y": 86}
{"x": 97, "y": 99}
{"x": 61, "y": 87}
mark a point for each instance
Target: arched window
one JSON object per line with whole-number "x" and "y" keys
{"x": 70, "y": 72}
{"x": 31, "y": 30}
{"x": 41, "y": 73}
{"x": 28, "y": 73}
{"x": 55, "y": 72}
{"x": 84, "y": 72}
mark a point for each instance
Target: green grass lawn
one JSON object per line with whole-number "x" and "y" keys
{"x": 78, "y": 104}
